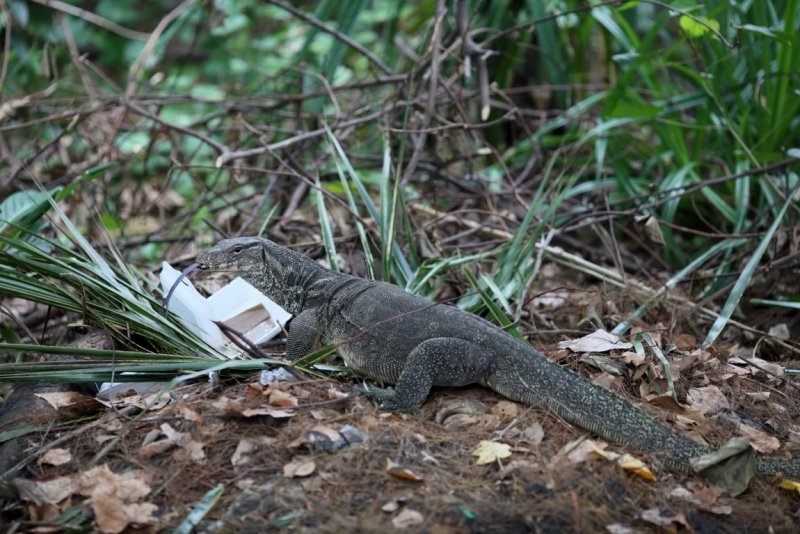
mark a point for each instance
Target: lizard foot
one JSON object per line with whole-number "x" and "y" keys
{"x": 387, "y": 399}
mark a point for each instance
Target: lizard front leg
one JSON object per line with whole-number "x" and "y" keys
{"x": 434, "y": 362}
{"x": 304, "y": 335}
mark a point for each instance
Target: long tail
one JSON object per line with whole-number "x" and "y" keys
{"x": 528, "y": 376}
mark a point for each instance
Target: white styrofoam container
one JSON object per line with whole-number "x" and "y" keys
{"x": 238, "y": 302}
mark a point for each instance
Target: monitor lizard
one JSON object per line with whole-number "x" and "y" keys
{"x": 406, "y": 340}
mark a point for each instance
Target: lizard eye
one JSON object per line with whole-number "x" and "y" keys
{"x": 237, "y": 250}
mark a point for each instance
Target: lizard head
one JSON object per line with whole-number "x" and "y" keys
{"x": 241, "y": 255}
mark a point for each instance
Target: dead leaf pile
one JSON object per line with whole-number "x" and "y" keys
{"x": 114, "y": 501}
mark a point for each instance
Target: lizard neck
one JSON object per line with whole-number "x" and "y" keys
{"x": 294, "y": 281}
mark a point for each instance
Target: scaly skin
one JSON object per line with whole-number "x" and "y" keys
{"x": 402, "y": 339}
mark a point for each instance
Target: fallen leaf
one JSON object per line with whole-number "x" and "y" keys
{"x": 312, "y": 485}
{"x": 708, "y": 400}
{"x": 584, "y": 451}
{"x": 272, "y": 412}
{"x": 115, "y": 498}
{"x": 763, "y": 365}
{"x": 626, "y": 461}
{"x": 228, "y": 406}
{"x": 56, "y": 457}
{"x": 534, "y": 434}
{"x": 391, "y": 506}
{"x": 71, "y": 402}
{"x": 606, "y": 380}
{"x": 254, "y": 390}
{"x": 730, "y": 467}
{"x": 396, "y": 470}
{"x": 281, "y": 398}
{"x": 299, "y": 469}
{"x": 790, "y": 485}
{"x": 647, "y": 226}
{"x": 518, "y": 466}
{"x": 506, "y": 409}
{"x": 598, "y": 341}
{"x": 142, "y": 402}
{"x": 761, "y": 441}
{"x": 191, "y": 415}
{"x": 633, "y": 358}
{"x": 334, "y": 393}
{"x": 664, "y": 518}
{"x": 407, "y": 519}
{"x": 685, "y": 342}
{"x": 668, "y": 402}
{"x": 241, "y": 455}
{"x": 319, "y": 438}
{"x": 245, "y": 483}
{"x": 619, "y": 528}
{"x": 490, "y": 451}
{"x": 232, "y": 408}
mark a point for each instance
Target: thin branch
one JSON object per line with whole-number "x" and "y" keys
{"x": 97, "y": 20}
{"x": 339, "y": 35}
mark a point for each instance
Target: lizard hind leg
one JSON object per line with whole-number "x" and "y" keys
{"x": 434, "y": 362}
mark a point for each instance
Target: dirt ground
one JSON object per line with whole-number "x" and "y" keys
{"x": 312, "y": 457}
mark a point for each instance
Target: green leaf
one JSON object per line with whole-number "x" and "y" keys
{"x": 203, "y": 507}
{"x": 635, "y": 111}
{"x": 23, "y": 208}
{"x": 325, "y": 227}
{"x": 697, "y": 29}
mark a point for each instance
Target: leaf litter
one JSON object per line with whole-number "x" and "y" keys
{"x": 259, "y": 440}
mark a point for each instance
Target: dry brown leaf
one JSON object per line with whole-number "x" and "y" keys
{"x": 296, "y": 469}
{"x": 685, "y": 342}
{"x": 281, "y": 398}
{"x": 312, "y": 485}
{"x": 254, "y": 390}
{"x": 665, "y": 518}
{"x": 156, "y": 447}
{"x": 228, "y": 406}
{"x": 583, "y": 451}
{"x": 490, "y": 451}
{"x": 272, "y": 412}
{"x": 597, "y": 341}
{"x": 142, "y": 402}
{"x": 71, "y": 402}
{"x": 191, "y": 415}
{"x": 114, "y": 498}
{"x": 334, "y": 393}
{"x": 761, "y": 441}
{"x": 708, "y": 400}
{"x": 241, "y": 456}
{"x": 407, "y": 518}
{"x": 56, "y": 489}
{"x": 489, "y": 420}
{"x": 534, "y": 434}
{"x": 620, "y": 528}
{"x": 666, "y": 401}
{"x": 56, "y": 457}
{"x": 506, "y": 409}
{"x": 606, "y": 380}
{"x": 397, "y": 470}
{"x": 633, "y": 358}
{"x": 232, "y": 408}
{"x": 110, "y": 423}
{"x": 518, "y": 466}
{"x": 320, "y": 415}
{"x": 763, "y": 365}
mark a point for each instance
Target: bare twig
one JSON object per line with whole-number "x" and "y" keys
{"x": 339, "y": 35}
{"x": 436, "y": 42}
{"x": 137, "y": 68}
{"x": 97, "y": 20}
